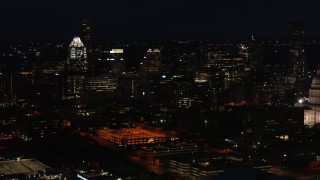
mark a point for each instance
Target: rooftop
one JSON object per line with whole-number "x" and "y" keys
{"x": 76, "y": 42}
{"x": 21, "y": 166}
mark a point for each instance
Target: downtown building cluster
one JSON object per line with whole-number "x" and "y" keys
{"x": 234, "y": 93}
{"x": 54, "y": 81}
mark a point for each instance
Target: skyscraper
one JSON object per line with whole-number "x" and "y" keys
{"x": 149, "y": 69}
{"x": 152, "y": 62}
{"x": 87, "y": 41}
{"x": 116, "y": 61}
{"x": 77, "y": 59}
{"x": 298, "y": 63}
{"x": 86, "y": 32}
{"x": 110, "y": 62}
{"x": 255, "y": 55}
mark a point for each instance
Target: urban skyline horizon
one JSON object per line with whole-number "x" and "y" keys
{"x": 208, "y": 89}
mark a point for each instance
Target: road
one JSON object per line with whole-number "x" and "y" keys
{"x": 300, "y": 173}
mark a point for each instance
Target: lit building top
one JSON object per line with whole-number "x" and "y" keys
{"x": 153, "y": 50}
{"x": 77, "y": 60}
{"x": 116, "y": 51}
{"x": 76, "y": 42}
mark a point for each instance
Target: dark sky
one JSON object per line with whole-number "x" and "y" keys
{"x": 156, "y": 19}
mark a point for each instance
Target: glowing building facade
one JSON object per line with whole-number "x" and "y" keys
{"x": 312, "y": 115}
{"x": 77, "y": 60}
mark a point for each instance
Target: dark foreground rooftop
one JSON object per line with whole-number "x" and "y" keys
{"x": 21, "y": 166}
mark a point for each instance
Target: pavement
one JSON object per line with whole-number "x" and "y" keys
{"x": 296, "y": 173}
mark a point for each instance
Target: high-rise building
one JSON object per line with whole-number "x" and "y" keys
{"x": 74, "y": 86}
{"x": 77, "y": 59}
{"x": 101, "y": 84}
{"x": 230, "y": 62}
{"x": 111, "y": 62}
{"x": 150, "y": 68}
{"x": 297, "y": 52}
{"x": 7, "y": 90}
{"x": 152, "y": 62}
{"x": 255, "y": 55}
{"x": 128, "y": 84}
{"x": 86, "y": 33}
{"x": 116, "y": 61}
{"x": 87, "y": 41}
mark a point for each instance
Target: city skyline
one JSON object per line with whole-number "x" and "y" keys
{"x": 143, "y": 20}
{"x": 220, "y": 89}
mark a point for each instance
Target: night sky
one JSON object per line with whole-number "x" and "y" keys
{"x": 156, "y": 20}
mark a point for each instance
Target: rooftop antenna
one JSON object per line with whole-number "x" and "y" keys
{"x": 252, "y": 38}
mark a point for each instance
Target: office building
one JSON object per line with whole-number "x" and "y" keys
{"x": 128, "y": 84}
{"x": 116, "y": 61}
{"x": 150, "y": 68}
{"x": 152, "y": 62}
{"x": 87, "y": 41}
{"x": 110, "y": 62}
{"x": 74, "y": 86}
{"x": 230, "y": 62}
{"x": 297, "y": 51}
{"x": 77, "y": 57}
{"x": 86, "y": 33}
{"x": 38, "y": 124}
{"x": 101, "y": 84}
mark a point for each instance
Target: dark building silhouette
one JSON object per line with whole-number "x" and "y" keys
{"x": 149, "y": 69}
{"x": 110, "y": 62}
{"x": 256, "y": 55}
{"x": 297, "y": 51}
{"x": 116, "y": 62}
{"x": 86, "y": 32}
{"x": 87, "y": 41}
